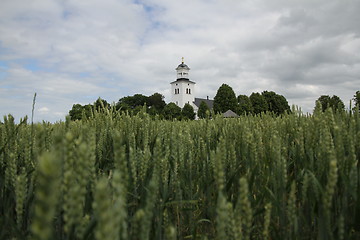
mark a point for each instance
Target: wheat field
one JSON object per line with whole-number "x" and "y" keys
{"x": 117, "y": 176}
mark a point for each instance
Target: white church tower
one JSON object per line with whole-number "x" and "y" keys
{"x": 182, "y": 90}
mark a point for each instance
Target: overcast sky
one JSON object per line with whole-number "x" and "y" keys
{"x": 74, "y": 51}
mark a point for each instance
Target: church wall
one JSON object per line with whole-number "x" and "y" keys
{"x": 185, "y": 94}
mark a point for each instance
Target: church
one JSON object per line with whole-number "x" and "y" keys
{"x": 183, "y": 89}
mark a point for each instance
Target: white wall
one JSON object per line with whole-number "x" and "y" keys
{"x": 183, "y": 96}
{"x": 182, "y": 73}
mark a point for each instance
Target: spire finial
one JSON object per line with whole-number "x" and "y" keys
{"x": 182, "y": 60}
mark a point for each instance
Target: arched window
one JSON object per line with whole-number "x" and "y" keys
{"x": 189, "y": 91}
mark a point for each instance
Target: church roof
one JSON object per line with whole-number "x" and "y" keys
{"x": 183, "y": 65}
{"x": 209, "y": 103}
{"x": 182, "y": 79}
{"x": 229, "y": 114}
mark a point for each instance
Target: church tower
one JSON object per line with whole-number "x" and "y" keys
{"x": 182, "y": 90}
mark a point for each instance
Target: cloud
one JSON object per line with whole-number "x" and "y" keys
{"x": 43, "y": 110}
{"x": 76, "y": 51}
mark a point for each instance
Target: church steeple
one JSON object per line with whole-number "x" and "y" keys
{"x": 182, "y": 71}
{"x": 183, "y": 89}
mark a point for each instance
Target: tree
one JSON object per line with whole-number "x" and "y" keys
{"x": 172, "y": 111}
{"x": 131, "y": 102}
{"x": 156, "y": 103}
{"x": 337, "y": 104}
{"x": 88, "y": 110}
{"x": 203, "y": 108}
{"x": 225, "y": 99}
{"x": 79, "y": 112}
{"x": 101, "y": 104}
{"x": 258, "y": 103}
{"x": 244, "y": 105}
{"x": 76, "y": 112}
{"x": 187, "y": 112}
{"x": 325, "y": 101}
{"x": 276, "y": 103}
{"x": 136, "y": 110}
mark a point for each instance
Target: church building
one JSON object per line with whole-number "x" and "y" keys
{"x": 183, "y": 90}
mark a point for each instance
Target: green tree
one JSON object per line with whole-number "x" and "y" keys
{"x": 203, "y": 108}
{"x": 337, "y": 104}
{"x": 225, "y": 99}
{"x": 258, "y": 103}
{"x": 88, "y": 110}
{"x": 325, "y": 101}
{"x": 101, "y": 104}
{"x": 79, "y": 112}
{"x": 276, "y": 103}
{"x": 76, "y": 112}
{"x": 156, "y": 103}
{"x": 187, "y": 112}
{"x": 131, "y": 102}
{"x": 172, "y": 111}
{"x": 244, "y": 105}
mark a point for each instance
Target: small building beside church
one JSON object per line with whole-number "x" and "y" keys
{"x": 229, "y": 114}
{"x": 183, "y": 89}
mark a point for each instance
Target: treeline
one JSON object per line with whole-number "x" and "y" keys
{"x": 154, "y": 106}
{"x": 267, "y": 101}
{"x": 225, "y": 99}
{"x": 335, "y": 103}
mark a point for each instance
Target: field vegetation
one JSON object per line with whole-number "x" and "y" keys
{"x": 115, "y": 176}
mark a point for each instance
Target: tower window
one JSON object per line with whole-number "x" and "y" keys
{"x": 189, "y": 91}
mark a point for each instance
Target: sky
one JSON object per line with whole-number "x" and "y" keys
{"x": 75, "y": 51}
